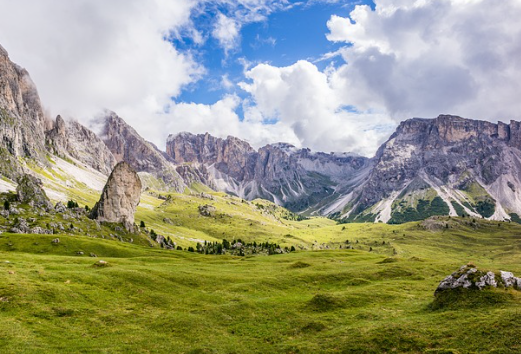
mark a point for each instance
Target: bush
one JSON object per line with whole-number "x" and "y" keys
{"x": 142, "y": 224}
{"x": 7, "y": 206}
{"x": 72, "y": 204}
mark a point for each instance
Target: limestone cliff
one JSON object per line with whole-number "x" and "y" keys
{"x": 73, "y": 139}
{"x": 127, "y": 145}
{"x": 22, "y": 122}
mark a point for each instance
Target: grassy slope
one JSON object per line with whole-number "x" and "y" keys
{"x": 306, "y": 302}
{"x": 336, "y": 300}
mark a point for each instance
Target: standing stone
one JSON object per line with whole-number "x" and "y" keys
{"x": 119, "y": 198}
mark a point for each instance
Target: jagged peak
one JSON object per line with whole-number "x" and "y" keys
{"x": 172, "y": 137}
{"x": 3, "y": 52}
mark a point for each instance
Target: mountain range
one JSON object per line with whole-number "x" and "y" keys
{"x": 442, "y": 166}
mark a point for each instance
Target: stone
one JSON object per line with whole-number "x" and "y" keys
{"x": 469, "y": 277}
{"x": 119, "y": 198}
{"x": 29, "y": 190}
{"x": 207, "y": 210}
{"x": 168, "y": 221}
{"x": 60, "y": 207}
{"x": 55, "y": 240}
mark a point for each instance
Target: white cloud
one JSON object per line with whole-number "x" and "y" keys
{"x": 87, "y": 55}
{"x": 302, "y": 98}
{"x": 221, "y": 120}
{"x": 226, "y": 31}
{"x": 424, "y": 57}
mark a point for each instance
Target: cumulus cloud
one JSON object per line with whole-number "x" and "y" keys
{"x": 226, "y": 31}
{"x": 302, "y": 98}
{"x": 87, "y": 55}
{"x": 221, "y": 119}
{"x": 422, "y": 58}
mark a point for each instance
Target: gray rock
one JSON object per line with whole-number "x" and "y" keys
{"x": 207, "y": 210}
{"x": 469, "y": 277}
{"x": 119, "y": 198}
{"x": 29, "y": 190}
{"x": 60, "y": 207}
{"x": 55, "y": 240}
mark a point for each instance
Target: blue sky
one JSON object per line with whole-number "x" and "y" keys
{"x": 280, "y": 39}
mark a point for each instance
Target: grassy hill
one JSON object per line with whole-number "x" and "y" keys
{"x": 338, "y": 301}
{"x": 349, "y": 288}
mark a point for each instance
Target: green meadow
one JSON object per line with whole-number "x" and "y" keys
{"x": 348, "y": 288}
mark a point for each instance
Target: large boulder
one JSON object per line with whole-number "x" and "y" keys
{"x": 30, "y": 191}
{"x": 119, "y": 198}
{"x": 470, "y": 277}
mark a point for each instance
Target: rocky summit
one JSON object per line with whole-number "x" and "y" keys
{"x": 119, "y": 198}
{"x": 298, "y": 179}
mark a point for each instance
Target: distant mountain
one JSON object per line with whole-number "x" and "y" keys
{"x": 299, "y": 179}
{"x": 448, "y": 165}
{"x": 442, "y": 166}
{"x": 73, "y": 139}
{"x": 127, "y": 145}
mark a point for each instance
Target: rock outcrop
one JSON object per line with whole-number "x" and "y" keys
{"x": 469, "y": 277}
{"x": 73, "y": 139}
{"x": 119, "y": 198}
{"x": 295, "y": 178}
{"x": 22, "y": 122}
{"x": 443, "y": 166}
{"x": 127, "y": 145}
{"x": 30, "y": 191}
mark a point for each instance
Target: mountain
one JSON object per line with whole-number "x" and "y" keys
{"x": 449, "y": 166}
{"x": 295, "y": 178}
{"x": 442, "y": 166}
{"x": 73, "y": 139}
{"x": 127, "y": 145}
{"x": 22, "y": 121}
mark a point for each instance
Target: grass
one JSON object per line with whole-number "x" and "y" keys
{"x": 334, "y": 301}
{"x": 350, "y": 288}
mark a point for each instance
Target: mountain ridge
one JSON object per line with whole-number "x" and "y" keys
{"x": 447, "y": 165}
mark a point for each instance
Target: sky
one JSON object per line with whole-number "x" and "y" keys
{"x": 330, "y": 75}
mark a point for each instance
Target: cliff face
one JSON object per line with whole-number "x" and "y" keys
{"x": 472, "y": 166}
{"x": 73, "y": 139}
{"x": 296, "y": 178}
{"x": 127, "y": 145}
{"x": 22, "y": 122}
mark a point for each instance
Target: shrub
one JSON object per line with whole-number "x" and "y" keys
{"x": 7, "y": 205}
{"x": 142, "y": 224}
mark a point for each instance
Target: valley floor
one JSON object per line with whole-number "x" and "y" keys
{"x": 53, "y": 300}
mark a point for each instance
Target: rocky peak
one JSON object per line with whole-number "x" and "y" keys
{"x": 22, "y": 122}
{"x": 127, "y": 145}
{"x": 75, "y": 140}
{"x": 295, "y": 178}
{"x": 119, "y": 198}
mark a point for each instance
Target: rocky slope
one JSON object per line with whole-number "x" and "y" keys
{"x": 447, "y": 165}
{"x": 73, "y": 139}
{"x": 127, "y": 145}
{"x": 296, "y": 178}
{"x": 22, "y": 122}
